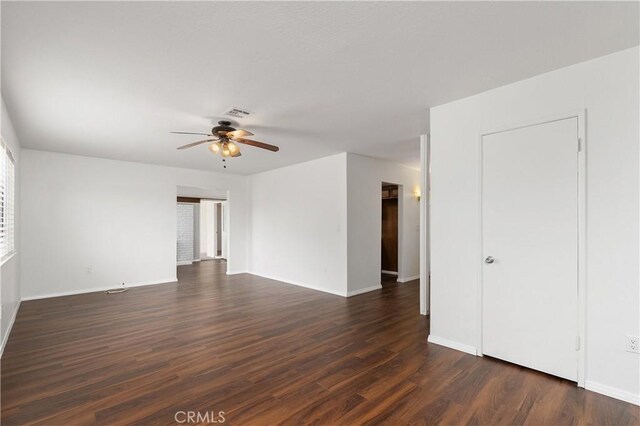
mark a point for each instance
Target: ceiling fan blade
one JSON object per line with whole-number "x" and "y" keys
{"x": 258, "y": 144}
{"x": 239, "y": 133}
{"x": 197, "y": 143}
{"x": 191, "y": 133}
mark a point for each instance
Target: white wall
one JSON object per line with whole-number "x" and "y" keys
{"x": 126, "y": 214}
{"x": 608, "y": 89}
{"x": 299, "y": 224}
{"x": 318, "y": 224}
{"x": 10, "y": 270}
{"x": 364, "y": 206}
{"x": 90, "y": 224}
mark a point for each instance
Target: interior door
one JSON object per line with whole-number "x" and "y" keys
{"x": 530, "y": 246}
{"x": 389, "y": 246}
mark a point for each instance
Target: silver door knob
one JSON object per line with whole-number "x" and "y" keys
{"x": 489, "y": 260}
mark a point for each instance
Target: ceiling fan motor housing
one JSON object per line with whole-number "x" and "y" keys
{"x": 222, "y": 129}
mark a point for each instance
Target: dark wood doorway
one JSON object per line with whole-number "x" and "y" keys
{"x": 389, "y": 245}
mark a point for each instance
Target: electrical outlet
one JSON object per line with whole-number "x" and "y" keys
{"x": 633, "y": 344}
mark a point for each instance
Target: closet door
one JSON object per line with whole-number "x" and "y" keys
{"x": 530, "y": 246}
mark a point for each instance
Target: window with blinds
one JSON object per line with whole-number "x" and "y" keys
{"x": 7, "y": 203}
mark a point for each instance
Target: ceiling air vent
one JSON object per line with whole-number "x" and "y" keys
{"x": 238, "y": 113}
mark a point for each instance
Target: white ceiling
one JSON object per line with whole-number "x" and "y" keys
{"x": 112, "y": 80}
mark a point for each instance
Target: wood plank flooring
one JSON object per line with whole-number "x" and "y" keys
{"x": 265, "y": 353}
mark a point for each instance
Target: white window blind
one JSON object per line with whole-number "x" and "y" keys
{"x": 7, "y": 202}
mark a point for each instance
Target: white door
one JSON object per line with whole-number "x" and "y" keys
{"x": 530, "y": 247}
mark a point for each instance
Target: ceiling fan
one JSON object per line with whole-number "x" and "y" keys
{"x": 224, "y": 140}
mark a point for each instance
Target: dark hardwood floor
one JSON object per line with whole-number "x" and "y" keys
{"x": 388, "y": 279}
{"x": 265, "y": 353}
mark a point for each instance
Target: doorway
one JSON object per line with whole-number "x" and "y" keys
{"x": 202, "y": 228}
{"x": 213, "y": 230}
{"x": 530, "y": 246}
{"x": 389, "y": 253}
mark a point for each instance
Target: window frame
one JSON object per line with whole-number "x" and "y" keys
{"x": 7, "y": 202}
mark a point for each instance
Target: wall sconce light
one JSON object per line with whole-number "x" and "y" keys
{"x": 416, "y": 194}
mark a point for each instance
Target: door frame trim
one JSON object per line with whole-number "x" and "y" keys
{"x": 425, "y": 246}
{"x": 580, "y": 114}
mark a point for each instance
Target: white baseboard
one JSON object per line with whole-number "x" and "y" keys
{"x": 98, "y": 289}
{"x": 236, "y": 272}
{"x": 451, "y": 344}
{"x": 589, "y": 385}
{"x": 390, "y": 272}
{"x": 184, "y": 262}
{"x": 612, "y": 392}
{"x": 363, "y": 290}
{"x": 407, "y": 279}
{"x": 299, "y": 284}
{"x": 6, "y": 336}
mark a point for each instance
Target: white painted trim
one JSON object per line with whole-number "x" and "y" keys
{"x": 184, "y": 262}
{"x": 402, "y": 268}
{"x": 616, "y": 393}
{"x": 389, "y": 272}
{"x": 296, "y": 283}
{"x": 451, "y": 344}
{"x": 425, "y": 287}
{"x": 98, "y": 289}
{"x": 580, "y": 114}
{"x": 479, "y": 248}
{"x": 363, "y": 290}
{"x": 582, "y": 246}
{"x": 215, "y": 229}
{"x": 237, "y": 272}
{"x": 407, "y": 279}
{"x": 6, "y": 336}
{"x": 7, "y": 257}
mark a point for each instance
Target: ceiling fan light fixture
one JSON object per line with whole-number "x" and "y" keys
{"x": 233, "y": 148}
{"x": 214, "y": 147}
{"x": 226, "y": 152}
